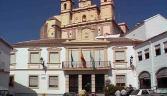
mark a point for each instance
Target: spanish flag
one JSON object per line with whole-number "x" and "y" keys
{"x": 83, "y": 60}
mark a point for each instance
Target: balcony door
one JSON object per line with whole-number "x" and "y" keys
{"x": 73, "y": 83}
{"x": 86, "y": 82}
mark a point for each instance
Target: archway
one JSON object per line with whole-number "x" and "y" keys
{"x": 161, "y": 76}
{"x": 144, "y": 80}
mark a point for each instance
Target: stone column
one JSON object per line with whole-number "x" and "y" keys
{"x": 93, "y": 82}
{"x": 79, "y": 83}
{"x": 67, "y": 83}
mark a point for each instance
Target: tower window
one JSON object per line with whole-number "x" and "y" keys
{"x": 84, "y": 18}
{"x": 65, "y": 6}
{"x": 105, "y": 0}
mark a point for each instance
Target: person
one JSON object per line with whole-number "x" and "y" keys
{"x": 83, "y": 92}
{"x": 130, "y": 90}
{"x": 117, "y": 93}
{"x": 123, "y": 92}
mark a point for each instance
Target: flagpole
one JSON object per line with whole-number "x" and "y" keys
{"x": 99, "y": 56}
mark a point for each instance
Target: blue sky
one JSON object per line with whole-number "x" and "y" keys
{"x": 20, "y": 20}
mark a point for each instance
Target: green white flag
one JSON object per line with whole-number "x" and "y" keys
{"x": 92, "y": 60}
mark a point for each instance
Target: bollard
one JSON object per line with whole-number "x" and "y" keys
{"x": 43, "y": 94}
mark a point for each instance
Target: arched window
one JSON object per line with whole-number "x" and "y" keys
{"x": 145, "y": 80}
{"x": 162, "y": 77}
{"x": 105, "y": 0}
{"x": 65, "y": 6}
{"x": 84, "y": 18}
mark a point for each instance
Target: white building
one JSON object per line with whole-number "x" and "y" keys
{"x": 4, "y": 63}
{"x": 148, "y": 28}
{"x": 111, "y": 56}
{"x": 152, "y": 62}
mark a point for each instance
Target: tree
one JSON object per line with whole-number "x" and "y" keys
{"x": 109, "y": 90}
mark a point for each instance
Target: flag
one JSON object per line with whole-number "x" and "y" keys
{"x": 93, "y": 62}
{"x": 83, "y": 60}
{"x": 72, "y": 60}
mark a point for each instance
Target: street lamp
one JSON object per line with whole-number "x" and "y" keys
{"x": 43, "y": 64}
{"x": 131, "y": 60}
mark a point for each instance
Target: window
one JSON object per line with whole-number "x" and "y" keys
{"x": 65, "y": 6}
{"x": 146, "y": 53}
{"x": 54, "y": 57}
{"x": 53, "y": 81}
{"x": 105, "y": 0}
{"x": 11, "y": 81}
{"x": 84, "y": 18}
{"x": 120, "y": 80}
{"x": 33, "y": 81}
{"x": 74, "y": 53}
{"x": 34, "y": 57}
{"x": 12, "y": 58}
{"x": 165, "y": 47}
{"x": 139, "y": 56}
{"x": 157, "y": 50}
{"x": 0, "y": 56}
{"x": 119, "y": 56}
{"x": 99, "y": 55}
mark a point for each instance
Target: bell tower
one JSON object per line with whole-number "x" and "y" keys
{"x": 66, "y": 11}
{"x": 84, "y": 3}
{"x": 107, "y": 9}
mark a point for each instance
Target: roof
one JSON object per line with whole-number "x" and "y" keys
{"x": 5, "y": 43}
{"x": 152, "y": 38}
{"x": 141, "y": 23}
{"x": 59, "y": 42}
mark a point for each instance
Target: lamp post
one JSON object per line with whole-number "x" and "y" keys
{"x": 43, "y": 64}
{"x": 131, "y": 60}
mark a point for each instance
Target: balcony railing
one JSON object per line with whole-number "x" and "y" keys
{"x": 89, "y": 64}
{"x": 2, "y": 66}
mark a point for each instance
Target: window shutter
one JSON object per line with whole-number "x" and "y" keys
{"x": 146, "y": 51}
{"x": 33, "y": 81}
{"x": 74, "y": 55}
{"x": 157, "y": 46}
{"x": 13, "y": 58}
{"x": 120, "y": 79}
{"x": 54, "y": 57}
{"x": 53, "y": 81}
{"x": 34, "y": 58}
{"x": 165, "y": 45}
{"x": 119, "y": 55}
{"x": 139, "y": 53}
{"x": 86, "y": 54}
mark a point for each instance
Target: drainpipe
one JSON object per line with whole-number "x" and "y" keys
{"x": 152, "y": 65}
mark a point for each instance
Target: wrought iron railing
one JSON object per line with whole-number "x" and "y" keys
{"x": 89, "y": 64}
{"x": 2, "y": 66}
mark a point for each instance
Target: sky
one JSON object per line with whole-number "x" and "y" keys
{"x": 21, "y": 20}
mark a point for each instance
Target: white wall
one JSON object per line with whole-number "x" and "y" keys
{"x": 130, "y": 75}
{"x": 5, "y": 57}
{"x": 137, "y": 33}
{"x": 22, "y": 81}
{"x": 22, "y": 72}
{"x": 155, "y": 26}
{"x": 154, "y": 62}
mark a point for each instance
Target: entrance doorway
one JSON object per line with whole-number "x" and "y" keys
{"x": 99, "y": 83}
{"x": 86, "y": 82}
{"x": 73, "y": 83}
{"x": 144, "y": 79}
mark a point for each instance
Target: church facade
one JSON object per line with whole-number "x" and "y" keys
{"x": 78, "y": 49}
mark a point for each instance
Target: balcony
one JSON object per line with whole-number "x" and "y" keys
{"x": 2, "y": 66}
{"x": 77, "y": 65}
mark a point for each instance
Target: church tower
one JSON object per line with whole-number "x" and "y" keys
{"x": 66, "y": 11}
{"x": 84, "y": 3}
{"x": 107, "y": 9}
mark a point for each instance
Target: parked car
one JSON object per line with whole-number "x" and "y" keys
{"x": 139, "y": 92}
{"x": 70, "y": 94}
